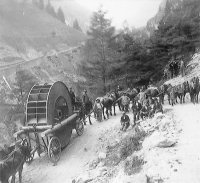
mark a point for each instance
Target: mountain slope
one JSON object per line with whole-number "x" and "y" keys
{"x": 73, "y": 10}
{"x": 166, "y": 7}
{"x": 29, "y": 32}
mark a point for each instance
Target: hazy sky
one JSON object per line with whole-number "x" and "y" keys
{"x": 136, "y": 12}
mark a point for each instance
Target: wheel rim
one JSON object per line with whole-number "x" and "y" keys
{"x": 79, "y": 128}
{"x": 54, "y": 150}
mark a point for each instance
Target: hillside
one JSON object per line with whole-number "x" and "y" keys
{"x": 166, "y": 7}
{"x": 192, "y": 70}
{"x": 27, "y": 32}
{"x": 73, "y": 10}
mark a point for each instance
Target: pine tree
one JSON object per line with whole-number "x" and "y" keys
{"x": 41, "y": 4}
{"x": 50, "y": 10}
{"x": 76, "y": 25}
{"x": 99, "y": 57}
{"x": 60, "y": 15}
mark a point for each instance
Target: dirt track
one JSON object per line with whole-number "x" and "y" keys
{"x": 180, "y": 164}
{"x": 74, "y": 158}
{"x": 188, "y": 150}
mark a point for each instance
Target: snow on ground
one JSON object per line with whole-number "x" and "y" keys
{"x": 170, "y": 152}
{"x": 192, "y": 70}
{"x": 188, "y": 150}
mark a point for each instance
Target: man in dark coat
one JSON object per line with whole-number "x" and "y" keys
{"x": 85, "y": 98}
{"x": 171, "y": 69}
{"x": 125, "y": 121}
{"x": 86, "y": 106}
{"x": 136, "y": 107}
{"x": 72, "y": 95}
{"x": 176, "y": 68}
{"x": 119, "y": 88}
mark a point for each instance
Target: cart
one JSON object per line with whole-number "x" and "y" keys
{"x": 50, "y": 120}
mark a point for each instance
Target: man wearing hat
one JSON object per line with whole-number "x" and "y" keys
{"x": 125, "y": 121}
{"x": 119, "y": 88}
{"x": 98, "y": 110}
{"x": 86, "y": 105}
{"x": 85, "y": 98}
{"x": 136, "y": 107}
{"x": 72, "y": 95}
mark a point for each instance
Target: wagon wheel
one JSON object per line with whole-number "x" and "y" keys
{"x": 54, "y": 150}
{"x": 79, "y": 127}
{"x": 29, "y": 159}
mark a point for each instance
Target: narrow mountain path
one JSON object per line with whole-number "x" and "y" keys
{"x": 74, "y": 157}
{"x": 188, "y": 150}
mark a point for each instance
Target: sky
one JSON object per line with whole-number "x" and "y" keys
{"x": 136, "y": 12}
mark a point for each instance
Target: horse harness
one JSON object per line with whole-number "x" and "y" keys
{"x": 13, "y": 154}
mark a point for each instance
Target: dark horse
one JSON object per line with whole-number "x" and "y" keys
{"x": 132, "y": 93}
{"x": 14, "y": 163}
{"x": 194, "y": 89}
{"x": 182, "y": 90}
{"x": 108, "y": 101}
{"x": 85, "y": 110}
{"x": 162, "y": 91}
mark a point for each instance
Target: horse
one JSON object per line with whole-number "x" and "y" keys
{"x": 151, "y": 92}
{"x": 115, "y": 96}
{"x": 107, "y": 103}
{"x": 132, "y": 93}
{"x": 194, "y": 89}
{"x": 179, "y": 92}
{"x": 172, "y": 95}
{"x": 14, "y": 163}
{"x": 85, "y": 110}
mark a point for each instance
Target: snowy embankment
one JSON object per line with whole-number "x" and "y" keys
{"x": 192, "y": 70}
{"x": 144, "y": 153}
{"x": 167, "y": 150}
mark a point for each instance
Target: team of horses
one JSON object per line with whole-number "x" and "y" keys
{"x": 192, "y": 87}
{"x": 12, "y": 159}
{"x": 110, "y": 100}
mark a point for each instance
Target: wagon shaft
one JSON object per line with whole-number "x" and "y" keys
{"x": 29, "y": 129}
{"x": 60, "y": 125}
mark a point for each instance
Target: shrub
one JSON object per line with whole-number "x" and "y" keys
{"x": 129, "y": 145}
{"x": 134, "y": 166}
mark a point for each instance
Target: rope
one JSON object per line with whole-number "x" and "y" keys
{"x": 9, "y": 155}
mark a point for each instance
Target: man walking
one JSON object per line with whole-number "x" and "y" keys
{"x": 125, "y": 121}
{"x": 86, "y": 106}
{"x": 136, "y": 107}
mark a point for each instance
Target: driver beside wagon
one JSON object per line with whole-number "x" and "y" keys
{"x": 86, "y": 105}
